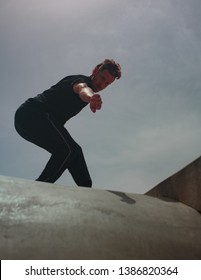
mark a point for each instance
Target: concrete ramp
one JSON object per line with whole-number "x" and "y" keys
{"x": 184, "y": 186}
{"x": 46, "y": 221}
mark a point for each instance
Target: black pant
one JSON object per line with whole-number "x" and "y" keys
{"x": 36, "y": 125}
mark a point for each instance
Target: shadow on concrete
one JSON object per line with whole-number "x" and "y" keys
{"x": 124, "y": 197}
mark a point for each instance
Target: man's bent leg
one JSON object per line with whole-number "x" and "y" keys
{"x": 44, "y": 131}
{"x": 79, "y": 170}
{"x": 73, "y": 161}
{"x": 66, "y": 154}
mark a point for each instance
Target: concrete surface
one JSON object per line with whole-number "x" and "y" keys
{"x": 184, "y": 186}
{"x": 45, "y": 221}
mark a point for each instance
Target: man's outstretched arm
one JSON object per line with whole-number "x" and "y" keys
{"x": 87, "y": 95}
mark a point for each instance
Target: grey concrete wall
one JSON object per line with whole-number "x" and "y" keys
{"x": 46, "y": 221}
{"x": 184, "y": 186}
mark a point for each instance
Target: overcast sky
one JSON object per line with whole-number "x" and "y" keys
{"x": 150, "y": 123}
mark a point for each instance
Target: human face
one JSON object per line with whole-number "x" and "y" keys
{"x": 101, "y": 79}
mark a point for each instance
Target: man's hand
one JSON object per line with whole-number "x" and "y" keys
{"x": 95, "y": 102}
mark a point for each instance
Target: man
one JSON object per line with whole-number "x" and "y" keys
{"x": 41, "y": 120}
